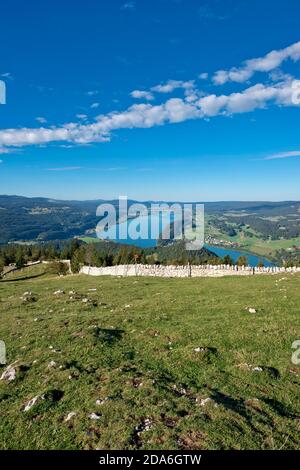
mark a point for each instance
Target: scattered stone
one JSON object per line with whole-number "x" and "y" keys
{"x": 94, "y": 416}
{"x": 204, "y": 401}
{"x": 144, "y": 426}
{"x": 59, "y": 292}
{"x": 52, "y": 364}
{"x": 293, "y": 371}
{"x": 10, "y": 373}
{"x": 101, "y": 402}
{"x": 92, "y": 290}
{"x": 28, "y": 297}
{"x": 137, "y": 383}
{"x": 54, "y": 350}
{"x": 33, "y": 402}
{"x": 89, "y": 301}
{"x": 251, "y": 310}
{"x": 180, "y": 390}
{"x": 70, "y": 416}
{"x": 50, "y": 396}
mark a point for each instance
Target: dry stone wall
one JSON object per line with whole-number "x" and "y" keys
{"x": 181, "y": 271}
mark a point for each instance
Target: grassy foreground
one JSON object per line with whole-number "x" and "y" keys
{"x": 150, "y": 363}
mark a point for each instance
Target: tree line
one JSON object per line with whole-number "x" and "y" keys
{"x": 107, "y": 254}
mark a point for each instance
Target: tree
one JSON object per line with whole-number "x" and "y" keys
{"x": 242, "y": 261}
{"x": 1, "y": 266}
{"x": 59, "y": 268}
{"x": 75, "y": 262}
{"x": 20, "y": 261}
{"x": 228, "y": 260}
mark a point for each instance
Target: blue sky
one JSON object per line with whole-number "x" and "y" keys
{"x": 168, "y": 99}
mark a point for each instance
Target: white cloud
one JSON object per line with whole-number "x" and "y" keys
{"x": 92, "y": 92}
{"x": 172, "y": 85}
{"x": 193, "y": 105}
{"x": 6, "y": 75}
{"x": 203, "y": 76}
{"x": 256, "y": 97}
{"x": 81, "y": 116}
{"x": 140, "y": 94}
{"x": 41, "y": 120}
{"x": 276, "y": 156}
{"x": 146, "y": 115}
{"x": 4, "y": 151}
{"x": 128, "y": 6}
{"x": 95, "y": 105}
{"x": 267, "y": 63}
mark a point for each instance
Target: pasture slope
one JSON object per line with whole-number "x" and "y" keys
{"x": 149, "y": 363}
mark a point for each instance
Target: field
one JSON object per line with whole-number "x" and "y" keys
{"x": 249, "y": 240}
{"x": 148, "y": 363}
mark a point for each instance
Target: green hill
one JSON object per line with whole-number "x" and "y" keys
{"x": 149, "y": 363}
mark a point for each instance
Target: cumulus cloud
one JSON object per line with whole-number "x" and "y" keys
{"x": 41, "y": 120}
{"x": 146, "y": 115}
{"x": 194, "y": 104}
{"x": 81, "y": 116}
{"x": 140, "y": 94}
{"x": 172, "y": 85}
{"x": 267, "y": 63}
{"x": 203, "y": 76}
{"x": 277, "y": 156}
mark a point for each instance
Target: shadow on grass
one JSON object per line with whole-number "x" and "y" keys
{"x": 33, "y": 276}
{"x": 238, "y": 406}
{"x": 281, "y": 409}
{"x": 108, "y": 336}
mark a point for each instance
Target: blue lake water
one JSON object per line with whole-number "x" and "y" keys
{"x": 253, "y": 260}
{"x": 113, "y": 234}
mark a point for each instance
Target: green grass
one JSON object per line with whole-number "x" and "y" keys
{"x": 254, "y": 244}
{"x": 136, "y": 351}
{"x": 89, "y": 239}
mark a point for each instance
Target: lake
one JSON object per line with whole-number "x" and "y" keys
{"x": 253, "y": 260}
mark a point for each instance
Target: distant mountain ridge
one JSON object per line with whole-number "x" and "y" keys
{"x": 44, "y": 219}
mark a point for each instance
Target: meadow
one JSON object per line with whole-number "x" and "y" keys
{"x": 149, "y": 363}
